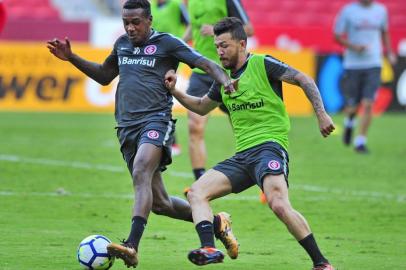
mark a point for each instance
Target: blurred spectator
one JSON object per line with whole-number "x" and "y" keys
{"x": 361, "y": 27}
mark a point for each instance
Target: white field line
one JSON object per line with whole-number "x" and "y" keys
{"x": 401, "y": 198}
{"x": 60, "y": 163}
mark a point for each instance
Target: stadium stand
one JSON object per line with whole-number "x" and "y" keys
{"x": 262, "y": 12}
{"x": 312, "y": 12}
{"x": 78, "y": 10}
{"x": 300, "y": 20}
{"x": 39, "y": 9}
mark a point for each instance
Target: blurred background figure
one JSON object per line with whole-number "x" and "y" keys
{"x": 170, "y": 16}
{"x": 203, "y": 15}
{"x": 361, "y": 27}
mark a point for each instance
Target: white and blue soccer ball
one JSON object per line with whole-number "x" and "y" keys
{"x": 92, "y": 253}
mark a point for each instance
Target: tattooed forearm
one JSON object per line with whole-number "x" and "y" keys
{"x": 308, "y": 85}
{"x": 313, "y": 94}
{"x": 289, "y": 76}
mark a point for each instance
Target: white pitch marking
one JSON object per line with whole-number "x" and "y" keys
{"x": 61, "y": 163}
{"x": 401, "y": 198}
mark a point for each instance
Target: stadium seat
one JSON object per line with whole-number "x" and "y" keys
{"x": 31, "y": 9}
{"x": 310, "y": 12}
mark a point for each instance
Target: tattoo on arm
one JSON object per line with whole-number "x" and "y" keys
{"x": 308, "y": 85}
{"x": 313, "y": 94}
{"x": 289, "y": 76}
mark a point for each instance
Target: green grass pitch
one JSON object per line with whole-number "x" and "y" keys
{"x": 62, "y": 178}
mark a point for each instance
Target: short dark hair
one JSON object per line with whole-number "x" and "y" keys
{"x": 143, "y": 4}
{"x": 231, "y": 25}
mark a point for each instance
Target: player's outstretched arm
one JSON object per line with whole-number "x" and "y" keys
{"x": 216, "y": 72}
{"x": 102, "y": 74}
{"x": 200, "y": 105}
{"x": 308, "y": 85}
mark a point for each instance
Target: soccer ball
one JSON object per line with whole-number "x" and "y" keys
{"x": 92, "y": 253}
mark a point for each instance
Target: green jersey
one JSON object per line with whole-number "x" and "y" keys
{"x": 210, "y": 12}
{"x": 167, "y": 18}
{"x": 257, "y": 112}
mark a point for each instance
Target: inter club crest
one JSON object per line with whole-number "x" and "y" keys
{"x": 150, "y": 49}
{"x": 153, "y": 134}
{"x": 274, "y": 165}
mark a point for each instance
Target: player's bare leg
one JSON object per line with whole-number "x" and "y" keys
{"x": 349, "y": 124}
{"x": 361, "y": 139}
{"x": 146, "y": 162}
{"x": 211, "y": 185}
{"x": 166, "y": 205}
{"x": 276, "y": 192}
{"x": 197, "y": 146}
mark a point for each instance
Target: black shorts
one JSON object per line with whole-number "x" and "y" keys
{"x": 199, "y": 85}
{"x": 359, "y": 84}
{"x": 249, "y": 167}
{"x": 156, "y": 133}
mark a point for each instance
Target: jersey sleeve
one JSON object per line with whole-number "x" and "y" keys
{"x": 113, "y": 54}
{"x": 385, "y": 19}
{"x": 235, "y": 9}
{"x": 215, "y": 92}
{"x": 274, "y": 68}
{"x": 340, "y": 25}
{"x": 181, "y": 51}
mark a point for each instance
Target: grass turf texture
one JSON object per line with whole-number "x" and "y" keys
{"x": 62, "y": 178}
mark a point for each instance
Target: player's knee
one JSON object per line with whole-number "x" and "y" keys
{"x": 367, "y": 107}
{"x": 196, "y": 129}
{"x": 279, "y": 207}
{"x": 194, "y": 194}
{"x": 141, "y": 173}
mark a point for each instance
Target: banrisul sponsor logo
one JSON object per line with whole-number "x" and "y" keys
{"x": 136, "y": 61}
{"x": 246, "y": 106}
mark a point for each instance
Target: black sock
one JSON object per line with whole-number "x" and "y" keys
{"x": 216, "y": 225}
{"x": 310, "y": 245}
{"x": 198, "y": 172}
{"x": 137, "y": 229}
{"x": 206, "y": 234}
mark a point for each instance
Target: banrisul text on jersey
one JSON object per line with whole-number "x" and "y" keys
{"x": 137, "y": 61}
{"x": 246, "y": 105}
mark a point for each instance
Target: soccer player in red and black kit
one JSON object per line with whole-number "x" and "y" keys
{"x": 143, "y": 112}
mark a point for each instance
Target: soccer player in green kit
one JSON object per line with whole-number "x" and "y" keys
{"x": 170, "y": 16}
{"x": 203, "y": 15}
{"x": 261, "y": 124}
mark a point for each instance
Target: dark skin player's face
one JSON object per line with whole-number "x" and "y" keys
{"x": 228, "y": 50}
{"x": 137, "y": 25}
